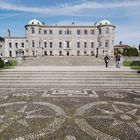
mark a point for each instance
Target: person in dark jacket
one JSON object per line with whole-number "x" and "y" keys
{"x": 106, "y": 59}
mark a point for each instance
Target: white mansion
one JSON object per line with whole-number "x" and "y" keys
{"x": 67, "y": 40}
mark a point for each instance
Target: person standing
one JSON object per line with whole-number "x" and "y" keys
{"x": 106, "y": 59}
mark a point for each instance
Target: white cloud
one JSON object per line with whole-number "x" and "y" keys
{"x": 128, "y": 34}
{"x": 9, "y": 15}
{"x": 71, "y": 9}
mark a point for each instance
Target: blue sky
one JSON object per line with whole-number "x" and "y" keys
{"x": 124, "y": 14}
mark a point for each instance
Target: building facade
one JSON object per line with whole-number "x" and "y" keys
{"x": 62, "y": 40}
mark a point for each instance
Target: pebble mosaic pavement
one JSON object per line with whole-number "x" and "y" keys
{"x": 69, "y": 114}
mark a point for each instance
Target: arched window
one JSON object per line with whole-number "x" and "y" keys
{"x": 107, "y": 43}
{"x": 45, "y": 44}
{"x": 10, "y": 45}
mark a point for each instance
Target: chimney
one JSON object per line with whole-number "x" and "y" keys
{"x": 9, "y": 33}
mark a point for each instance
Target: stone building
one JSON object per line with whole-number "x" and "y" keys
{"x": 59, "y": 40}
{"x": 2, "y": 45}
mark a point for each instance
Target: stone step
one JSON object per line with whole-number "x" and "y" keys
{"x": 69, "y": 85}
{"x": 68, "y": 72}
{"x": 58, "y": 82}
{"x": 68, "y": 75}
{"x": 70, "y": 79}
{"x": 94, "y": 78}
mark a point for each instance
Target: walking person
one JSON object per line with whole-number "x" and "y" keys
{"x": 106, "y": 59}
{"x": 118, "y": 58}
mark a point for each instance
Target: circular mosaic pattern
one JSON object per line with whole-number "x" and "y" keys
{"x": 23, "y": 120}
{"x": 103, "y": 119}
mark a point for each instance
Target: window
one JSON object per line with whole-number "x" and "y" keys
{"x": 85, "y": 52}
{"x": 60, "y": 32}
{"x": 16, "y": 53}
{"x": 51, "y": 32}
{"x": 78, "y": 44}
{"x": 22, "y": 53}
{"x": 45, "y": 44}
{"x": 92, "y": 32}
{"x": 33, "y": 43}
{"x": 10, "y": 45}
{"x": 100, "y": 44}
{"x": 60, "y": 44}
{"x": 92, "y": 44}
{"x": 68, "y": 32}
{"x": 33, "y": 30}
{"x": 45, "y": 32}
{"x": 51, "y": 53}
{"x": 78, "y": 53}
{"x": 22, "y": 44}
{"x": 85, "y": 44}
{"x": 92, "y": 53}
{"x": 100, "y": 31}
{"x": 50, "y": 44}
{"x": 85, "y": 32}
{"x": 33, "y": 53}
{"x": 16, "y": 45}
{"x": 60, "y": 53}
{"x": 0, "y": 46}
{"x": 68, "y": 44}
{"x": 107, "y": 43}
{"x": 107, "y": 30}
{"x": 39, "y": 31}
{"x": 78, "y": 32}
{"x": 45, "y": 52}
{"x": 10, "y": 53}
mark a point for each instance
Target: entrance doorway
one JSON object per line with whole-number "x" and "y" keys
{"x": 68, "y": 53}
{"x": 45, "y": 53}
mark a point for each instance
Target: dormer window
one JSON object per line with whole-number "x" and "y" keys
{"x": 32, "y": 22}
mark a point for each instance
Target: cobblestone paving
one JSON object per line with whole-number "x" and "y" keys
{"x": 69, "y": 114}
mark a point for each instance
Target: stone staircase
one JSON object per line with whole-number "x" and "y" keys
{"x": 66, "y": 61}
{"x": 70, "y": 79}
